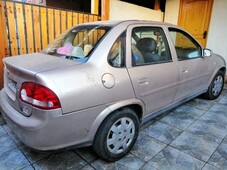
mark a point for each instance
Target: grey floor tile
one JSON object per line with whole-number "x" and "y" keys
{"x": 64, "y": 160}
{"x": 129, "y": 162}
{"x": 88, "y": 167}
{"x": 208, "y": 130}
{"x": 189, "y": 111}
{"x": 28, "y": 168}
{"x": 2, "y": 131}
{"x": 199, "y": 147}
{"x": 13, "y": 159}
{"x": 146, "y": 147}
{"x": 219, "y": 98}
{"x": 180, "y": 120}
{"x": 200, "y": 103}
{"x": 219, "y": 108}
{"x": 6, "y": 143}
{"x": 87, "y": 154}
{"x": 32, "y": 155}
{"x": 209, "y": 167}
{"x": 224, "y": 92}
{"x": 7, "y": 128}
{"x": 219, "y": 158}
{"x": 173, "y": 159}
{"x": 225, "y": 85}
{"x": 215, "y": 117}
{"x": 12, "y": 135}
{"x": 15, "y": 139}
{"x": 162, "y": 132}
{"x": 223, "y": 100}
{"x": 148, "y": 166}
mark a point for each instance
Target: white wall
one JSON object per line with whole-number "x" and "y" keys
{"x": 172, "y": 11}
{"x": 122, "y": 11}
{"x": 217, "y": 37}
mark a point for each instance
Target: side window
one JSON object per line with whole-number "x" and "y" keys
{"x": 149, "y": 46}
{"x": 186, "y": 47}
{"x": 116, "y": 55}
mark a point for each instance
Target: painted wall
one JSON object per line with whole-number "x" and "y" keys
{"x": 218, "y": 29}
{"x": 172, "y": 11}
{"x": 217, "y": 34}
{"x": 121, "y": 11}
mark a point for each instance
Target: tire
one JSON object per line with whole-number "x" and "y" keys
{"x": 215, "y": 87}
{"x": 117, "y": 134}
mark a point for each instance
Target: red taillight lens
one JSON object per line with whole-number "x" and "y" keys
{"x": 39, "y": 96}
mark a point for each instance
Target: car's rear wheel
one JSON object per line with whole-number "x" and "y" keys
{"x": 117, "y": 134}
{"x": 215, "y": 87}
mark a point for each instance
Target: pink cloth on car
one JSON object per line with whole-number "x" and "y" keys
{"x": 66, "y": 50}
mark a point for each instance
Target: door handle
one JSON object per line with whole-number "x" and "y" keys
{"x": 143, "y": 81}
{"x": 204, "y": 34}
{"x": 184, "y": 70}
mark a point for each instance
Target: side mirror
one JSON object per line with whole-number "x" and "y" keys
{"x": 207, "y": 52}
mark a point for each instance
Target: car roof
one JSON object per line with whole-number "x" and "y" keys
{"x": 128, "y": 22}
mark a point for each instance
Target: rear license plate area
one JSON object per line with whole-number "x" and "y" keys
{"x": 12, "y": 85}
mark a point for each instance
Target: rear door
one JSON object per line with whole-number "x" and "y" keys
{"x": 154, "y": 74}
{"x": 193, "y": 68}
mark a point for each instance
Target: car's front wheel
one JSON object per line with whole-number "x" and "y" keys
{"x": 117, "y": 134}
{"x": 215, "y": 87}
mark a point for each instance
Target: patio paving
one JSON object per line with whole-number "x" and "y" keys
{"x": 192, "y": 136}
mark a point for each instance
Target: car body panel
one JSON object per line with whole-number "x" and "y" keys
{"x": 87, "y": 86}
{"x": 194, "y": 74}
{"x": 51, "y": 130}
{"x": 146, "y": 79}
{"x": 24, "y": 68}
{"x": 147, "y": 85}
{"x": 216, "y": 62}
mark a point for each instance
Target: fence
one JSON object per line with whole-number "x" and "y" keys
{"x": 29, "y": 28}
{"x": 26, "y": 28}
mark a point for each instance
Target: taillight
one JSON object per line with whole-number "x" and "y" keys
{"x": 39, "y": 96}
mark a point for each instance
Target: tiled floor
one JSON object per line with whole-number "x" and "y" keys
{"x": 193, "y": 136}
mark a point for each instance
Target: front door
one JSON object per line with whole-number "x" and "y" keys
{"x": 193, "y": 68}
{"x": 154, "y": 74}
{"x": 194, "y": 16}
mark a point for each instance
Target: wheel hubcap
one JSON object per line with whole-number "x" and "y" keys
{"x": 217, "y": 86}
{"x": 121, "y": 135}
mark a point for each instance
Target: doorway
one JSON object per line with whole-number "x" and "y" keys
{"x": 194, "y": 16}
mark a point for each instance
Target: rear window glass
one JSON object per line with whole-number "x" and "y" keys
{"x": 77, "y": 43}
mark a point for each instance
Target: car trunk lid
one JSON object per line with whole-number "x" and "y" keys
{"x": 24, "y": 68}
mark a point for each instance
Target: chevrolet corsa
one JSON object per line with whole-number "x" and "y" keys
{"x": 97, "y": 83}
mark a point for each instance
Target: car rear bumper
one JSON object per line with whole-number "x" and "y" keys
{"x": 50, "y": 130}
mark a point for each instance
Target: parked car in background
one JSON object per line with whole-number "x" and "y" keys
{"x": 98, "y": 82}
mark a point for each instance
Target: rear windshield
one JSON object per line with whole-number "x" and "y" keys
{"x": 77, "y": 43}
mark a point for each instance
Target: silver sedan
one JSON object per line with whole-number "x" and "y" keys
{"x": 97, "y": 83}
